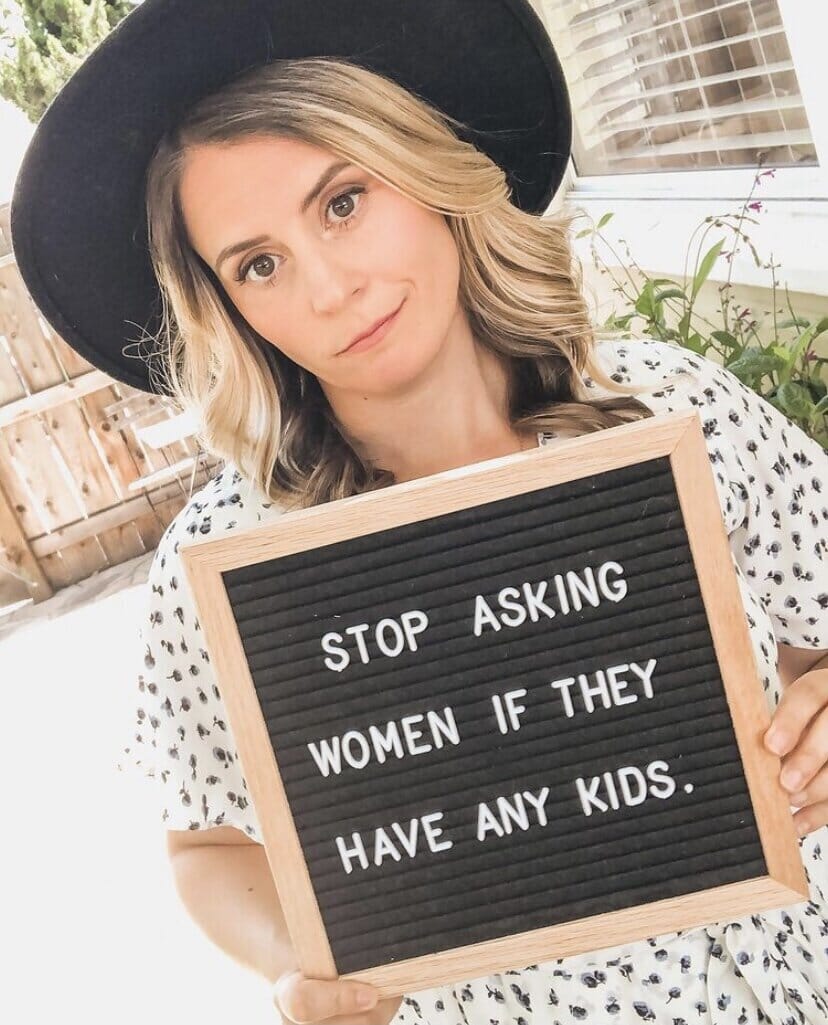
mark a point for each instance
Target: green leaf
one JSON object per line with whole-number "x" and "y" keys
{"x": 644, "y": 302}
{"x": 753, "y": 364}
{"x": 605, "y": 219}
{"x": 821, "y": 326}
{"x": 706, "y": 267}
{"x": 794, "y": 322}
{"x": 794, "y": 399}
{"x": 800, "y": 344}
{"x": 726, "y": 338}
{"x": 670, "y": 293}
{"x": 583, "y": 233}
{"x": 696, "y": 343}
{"x": 817, "y": 388}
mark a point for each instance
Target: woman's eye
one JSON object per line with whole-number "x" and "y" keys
{"x": 345, "y": 195}
{"x": 342, "y": 223}
{"x": 242, "y": 275}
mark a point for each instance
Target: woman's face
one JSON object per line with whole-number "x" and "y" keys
{"x": 313, "y": 259}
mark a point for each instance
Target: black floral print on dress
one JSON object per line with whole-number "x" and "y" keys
{"x": 771, "y": 483}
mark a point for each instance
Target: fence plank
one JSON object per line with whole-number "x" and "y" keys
{"x": 43, "y": 401}
{"x": 44, "y": 499}
{"x": 72, "y": 433}
{"x": 114, "y": 445}
{"x": 17, "y": 554}
{"x": 27, "y": 342}
{"x": 166, "y": 498}
{"x": 67, "y": 461}
{"x": 11, "y": 384}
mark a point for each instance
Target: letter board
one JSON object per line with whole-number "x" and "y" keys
{"x": 502, "y": 714}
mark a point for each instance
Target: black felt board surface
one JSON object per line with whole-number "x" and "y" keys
{"x": 567, "y": 864}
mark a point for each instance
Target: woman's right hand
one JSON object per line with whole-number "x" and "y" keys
{"x": 307, "y": 1001}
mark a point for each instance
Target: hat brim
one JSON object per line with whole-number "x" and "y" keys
{"x": 77, "y": 215}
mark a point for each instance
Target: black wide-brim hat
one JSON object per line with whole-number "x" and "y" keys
{"x": 78, "y": 220}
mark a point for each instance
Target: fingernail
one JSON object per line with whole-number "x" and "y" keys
{"x": 366, "y": 998}
{"x": 802, "y": 828}
{"x": 799, "y": 799}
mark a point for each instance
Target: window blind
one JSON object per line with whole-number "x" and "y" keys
{"x": 668, "y": 85}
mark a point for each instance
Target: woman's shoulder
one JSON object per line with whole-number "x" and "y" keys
{"x": 182, "y": 736}
{"x": 228, "y": 502}
{"x": 662, "y": 367}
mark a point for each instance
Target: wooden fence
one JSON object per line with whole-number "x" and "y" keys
{"x": 91, "y": 470}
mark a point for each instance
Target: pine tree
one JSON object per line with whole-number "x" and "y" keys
{"x": 57, "y": 36}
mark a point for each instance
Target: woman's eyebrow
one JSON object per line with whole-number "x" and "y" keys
{"x": 331, "y": 171}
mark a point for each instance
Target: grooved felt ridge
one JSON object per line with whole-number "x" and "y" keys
{"x": 573, "y": 864}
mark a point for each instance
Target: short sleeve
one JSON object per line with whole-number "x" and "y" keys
{"x": 182, "y": 741}
{"x": 777, "y": 475}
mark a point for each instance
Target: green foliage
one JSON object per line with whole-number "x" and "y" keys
{"x": 783, "y": 361}
{"x": 57, "y": 36}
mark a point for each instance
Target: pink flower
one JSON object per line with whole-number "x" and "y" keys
{"x": 755, "y": 205}
{"x": 765, "y": 174}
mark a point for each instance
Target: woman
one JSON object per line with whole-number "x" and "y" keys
{"x": 324, "y": 422}
{"x": 288, "y": 211}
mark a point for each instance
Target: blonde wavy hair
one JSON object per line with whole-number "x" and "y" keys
{"x": 520, "y": 285}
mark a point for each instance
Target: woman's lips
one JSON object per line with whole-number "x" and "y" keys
{"x": 377, "y": 335}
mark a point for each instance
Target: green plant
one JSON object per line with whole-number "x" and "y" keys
{"x": 779, "y": 360}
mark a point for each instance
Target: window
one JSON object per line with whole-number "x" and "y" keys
{"x": 675, "y": 102}
{"x": 671, "y": 85}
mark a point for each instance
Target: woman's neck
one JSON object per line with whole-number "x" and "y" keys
{"x": 453, "y": 413}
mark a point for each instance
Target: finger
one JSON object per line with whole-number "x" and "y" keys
{"x": 808, "y": 757}
{"x": 799, "y": 703}
{"x": 816, "y": 790}
{"x": 306, "y": 1000}
{"x": 814, "y": 816}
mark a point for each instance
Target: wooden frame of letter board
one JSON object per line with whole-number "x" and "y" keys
{"x": 677, "y": 435}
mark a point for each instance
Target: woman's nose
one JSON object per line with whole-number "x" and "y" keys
{"x": 330, "y": 279}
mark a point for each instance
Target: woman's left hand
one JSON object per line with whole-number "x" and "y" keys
{"x": 801, "y": 722}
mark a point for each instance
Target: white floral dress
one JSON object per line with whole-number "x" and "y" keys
{"x": 772, "y": 483}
